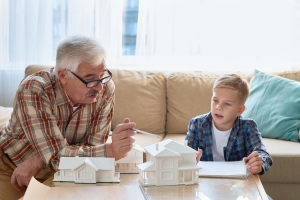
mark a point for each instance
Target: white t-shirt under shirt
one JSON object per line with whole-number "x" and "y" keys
{"x": 220, "y": 139}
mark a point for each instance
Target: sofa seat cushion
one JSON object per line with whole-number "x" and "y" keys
{"x": 286, "y": 161}
{"x": 140, "y": 96}
{"x": 5, "y": 114}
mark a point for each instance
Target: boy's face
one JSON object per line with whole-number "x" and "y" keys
{"x": 225, "y": 107}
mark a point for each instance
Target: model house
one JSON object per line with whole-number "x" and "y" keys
{"x": 130, "y": 162}
{"x": 169, "y": 163}
{"x": 87, "y": 170}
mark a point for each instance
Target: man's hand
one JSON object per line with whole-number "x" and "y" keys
{"x": 254, "y": 162}
{"x": 29, "y": 168}
{"x": 199, "y": 155}
{"x": 122, "y": 140}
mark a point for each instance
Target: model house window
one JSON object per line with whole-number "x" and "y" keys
{"x": 167, "y": 175}
{"x": 85, "y": 173}
{"x": 68, "y": 173}
{"x": 167, "y": 164}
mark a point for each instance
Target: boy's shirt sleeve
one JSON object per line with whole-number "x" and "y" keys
{"x": 255, "y": 140}
{"x": 192, "y": 135}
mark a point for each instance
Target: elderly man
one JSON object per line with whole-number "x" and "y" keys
{"x": 63, "y": 111}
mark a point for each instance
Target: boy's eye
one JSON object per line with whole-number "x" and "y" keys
{"x": 227, "y": 104}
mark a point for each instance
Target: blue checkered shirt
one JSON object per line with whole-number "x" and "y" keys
{"x": 243, "y": 138}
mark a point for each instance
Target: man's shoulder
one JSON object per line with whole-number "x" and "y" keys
{"x": 38, "y": 81}
{"x": 43, "y": 77}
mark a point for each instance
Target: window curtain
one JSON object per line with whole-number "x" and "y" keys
{"x": 32, "y": 29}
{"x": 218, "y": 35}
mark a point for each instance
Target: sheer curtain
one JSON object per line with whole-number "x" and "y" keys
{"x": 218, "y": 35}
{"x": 32, "y": 29}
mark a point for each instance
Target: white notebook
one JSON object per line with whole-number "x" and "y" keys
{"x": 232, "y": 169}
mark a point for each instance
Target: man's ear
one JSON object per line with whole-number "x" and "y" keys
{"x": 62, "y": 76}
{"x": 241, "y": 109}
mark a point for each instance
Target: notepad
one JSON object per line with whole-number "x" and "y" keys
{"x": 232, "y": 169}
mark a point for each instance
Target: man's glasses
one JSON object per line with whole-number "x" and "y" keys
{"x": 90, "y": 84}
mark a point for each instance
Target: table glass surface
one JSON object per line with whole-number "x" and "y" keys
{"x": 207, "y": 188}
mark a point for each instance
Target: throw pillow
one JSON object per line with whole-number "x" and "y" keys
{"x": 274, "y": 103}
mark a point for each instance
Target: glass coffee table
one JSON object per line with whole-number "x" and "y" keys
{"x": 207, "y": 188}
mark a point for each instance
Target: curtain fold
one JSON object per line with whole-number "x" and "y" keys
{"x": 218, "y": 35}
{"x": 32, "y": 29}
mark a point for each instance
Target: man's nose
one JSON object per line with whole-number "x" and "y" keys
{"x": 98, "y": 87}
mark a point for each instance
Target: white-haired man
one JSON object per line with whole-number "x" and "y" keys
{"x": 62, "y": 111}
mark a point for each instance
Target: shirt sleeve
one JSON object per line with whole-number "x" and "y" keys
{"x": 42, "y": 131}
{"x": 254, "y": 139}
{"x": 192, "y": 135}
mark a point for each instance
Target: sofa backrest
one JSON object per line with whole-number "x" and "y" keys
{"x": 189, "y": 95}
{"x": 161, "y": 103}
{"x": 140, "y": 96}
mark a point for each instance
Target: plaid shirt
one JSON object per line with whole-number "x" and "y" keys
{"x": 43, "y": 121}
{"x": 243, "y": 138}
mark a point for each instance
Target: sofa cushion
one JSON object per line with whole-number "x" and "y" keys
{"x": 140, "y": 96}
{"x": 274, "y": 105}
{"x": 286, "y": 159}
{"x": 5, "y": 114}
{"x": 189, "y": 95}
{"x": 34, "y": 68}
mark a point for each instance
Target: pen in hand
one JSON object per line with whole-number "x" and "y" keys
{"x": 251, "y": 152}
{"x": 144, "y": 132}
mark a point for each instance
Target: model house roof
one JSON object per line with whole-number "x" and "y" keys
{"x": 97, "y": 163}
{"x": 130, "y": 158}
{"x": 147, "y": 166}
{"x": 168, "y": 148}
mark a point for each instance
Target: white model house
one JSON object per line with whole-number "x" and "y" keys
{"x": 87, "y": 170}
{"x": 130, "y": 162}
{"x": 169, "y": 163}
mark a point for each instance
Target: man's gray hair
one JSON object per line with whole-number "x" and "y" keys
{"x": 75, "y": 50}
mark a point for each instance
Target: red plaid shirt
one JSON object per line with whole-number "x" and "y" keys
{"x": 43, "y": 121}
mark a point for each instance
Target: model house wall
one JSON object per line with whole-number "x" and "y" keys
{"x": 87, "y": 170}
{"x": 169, "y": 163}
{"x": 130, "y": 162}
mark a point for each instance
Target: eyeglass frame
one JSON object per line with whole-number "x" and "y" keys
{"x": 87, "y": 82}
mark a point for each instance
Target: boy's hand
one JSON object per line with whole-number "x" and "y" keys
{"x": 199, "y": 155}
{"x": 254, "y": 162}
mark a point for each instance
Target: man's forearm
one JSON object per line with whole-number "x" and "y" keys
{"x": 36, "y": 161}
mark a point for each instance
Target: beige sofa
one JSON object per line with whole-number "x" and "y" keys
{"x": 164, "y": 103}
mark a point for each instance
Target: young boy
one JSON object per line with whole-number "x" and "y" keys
{"x": 222, "y": 134}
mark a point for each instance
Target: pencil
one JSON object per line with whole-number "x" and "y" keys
{"x": 146, "y": 133}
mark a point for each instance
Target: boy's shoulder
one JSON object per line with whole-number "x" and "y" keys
{"x": 202, "y": 118}
{"x": 246, "y": 122}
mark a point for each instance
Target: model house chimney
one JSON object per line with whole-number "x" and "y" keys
{"x": 156, "y": 146}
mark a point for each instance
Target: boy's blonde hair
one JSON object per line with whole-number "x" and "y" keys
{"x": 235, "y": 82}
